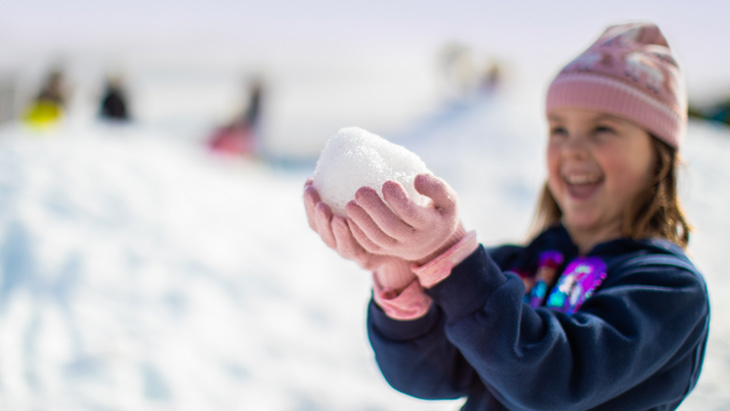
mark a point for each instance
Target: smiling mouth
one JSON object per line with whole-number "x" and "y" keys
{"x": 583, "y": 186}
{"x": 578, "y": 179}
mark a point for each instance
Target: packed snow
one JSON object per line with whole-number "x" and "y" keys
{"x": 355, "y": 158}
{"x": 141, "y": 272}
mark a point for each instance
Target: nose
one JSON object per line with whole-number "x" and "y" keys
{"x": 575, "y": 147}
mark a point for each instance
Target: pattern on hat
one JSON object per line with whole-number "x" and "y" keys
{"x": 629, "y": 72}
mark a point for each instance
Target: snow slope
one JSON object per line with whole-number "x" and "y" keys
{"x": 141, "y": 273}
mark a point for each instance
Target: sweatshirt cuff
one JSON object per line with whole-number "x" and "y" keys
{"x": 409, "y": 304}
{"x": 402, "y": 331}
{"x": 470, "y": 285}
{"x": 440, "y": 267}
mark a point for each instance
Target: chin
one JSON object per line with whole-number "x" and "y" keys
{"x": 581, "y": 223}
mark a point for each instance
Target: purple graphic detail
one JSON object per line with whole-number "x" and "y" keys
{"x": 578, "y": 282}
{"x": 547, "y": 265}
{"x": 551, "y": 259}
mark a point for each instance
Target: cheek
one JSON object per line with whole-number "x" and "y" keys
{"x": 628, "y": 177}
{"x": 631, "y": 164}
{"x": 552, "y": 160}
{"x": 553, "y": 169}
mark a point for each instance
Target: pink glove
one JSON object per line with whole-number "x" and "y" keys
{"x": 391, "y": 273}
{"x": 408, "y": 231}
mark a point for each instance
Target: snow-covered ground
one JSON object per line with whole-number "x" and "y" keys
{"x": 140, "y": 272}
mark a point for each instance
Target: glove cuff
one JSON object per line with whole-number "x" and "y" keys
{"x": 454, "y": 238}
{"x": 440, "y": 267}
{"x": 409, "y": 304}
{"x": 395, "y": 274}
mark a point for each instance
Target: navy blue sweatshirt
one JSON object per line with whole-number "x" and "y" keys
{"x": 636, "y": 342}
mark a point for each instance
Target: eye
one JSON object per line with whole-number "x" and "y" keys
{"x": 605, "y": 129}
{"x": 558, "y": 131}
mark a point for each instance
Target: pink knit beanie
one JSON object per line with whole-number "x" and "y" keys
{"x": 628, "y": 72}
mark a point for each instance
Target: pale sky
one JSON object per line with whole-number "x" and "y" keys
{"x": 538, "y": 37}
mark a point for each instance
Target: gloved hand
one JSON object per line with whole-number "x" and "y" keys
{"x": 406, "y": 230}
{"x": 391, "y": 272}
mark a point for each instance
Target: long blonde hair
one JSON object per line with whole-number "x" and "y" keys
{"x": 655, "y": 213}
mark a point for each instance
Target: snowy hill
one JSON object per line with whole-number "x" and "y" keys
{"x": 142, "y": 273}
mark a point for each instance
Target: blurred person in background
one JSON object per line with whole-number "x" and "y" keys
{"x": 113, "y": 106}
{"x": 240, "y": 136}
{"x": 48, "y": 107}
{"x": 457, "y": 70}
{"x": 252, "y": 115}
{"x": 491, "y": 80}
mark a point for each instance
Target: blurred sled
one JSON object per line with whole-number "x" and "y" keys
{"x": 234, "y": 139}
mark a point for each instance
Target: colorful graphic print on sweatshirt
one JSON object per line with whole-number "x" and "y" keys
{"x": 576, "y": 284}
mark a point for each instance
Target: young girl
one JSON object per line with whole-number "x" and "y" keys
{"x": 601, "y": 310}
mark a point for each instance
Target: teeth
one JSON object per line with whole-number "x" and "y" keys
{"x": 582, "y": 179}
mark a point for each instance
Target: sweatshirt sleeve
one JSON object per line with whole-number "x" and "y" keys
{"x": 415, "y": 356}
{"x": 643, "y": 318}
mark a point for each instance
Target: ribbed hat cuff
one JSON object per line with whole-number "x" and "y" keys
{"x": 590, "y": 91}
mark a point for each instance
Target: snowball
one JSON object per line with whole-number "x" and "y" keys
{"x": 355, "y": 158}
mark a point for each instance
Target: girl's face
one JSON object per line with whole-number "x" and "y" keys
{"x": 597, "y": 164}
